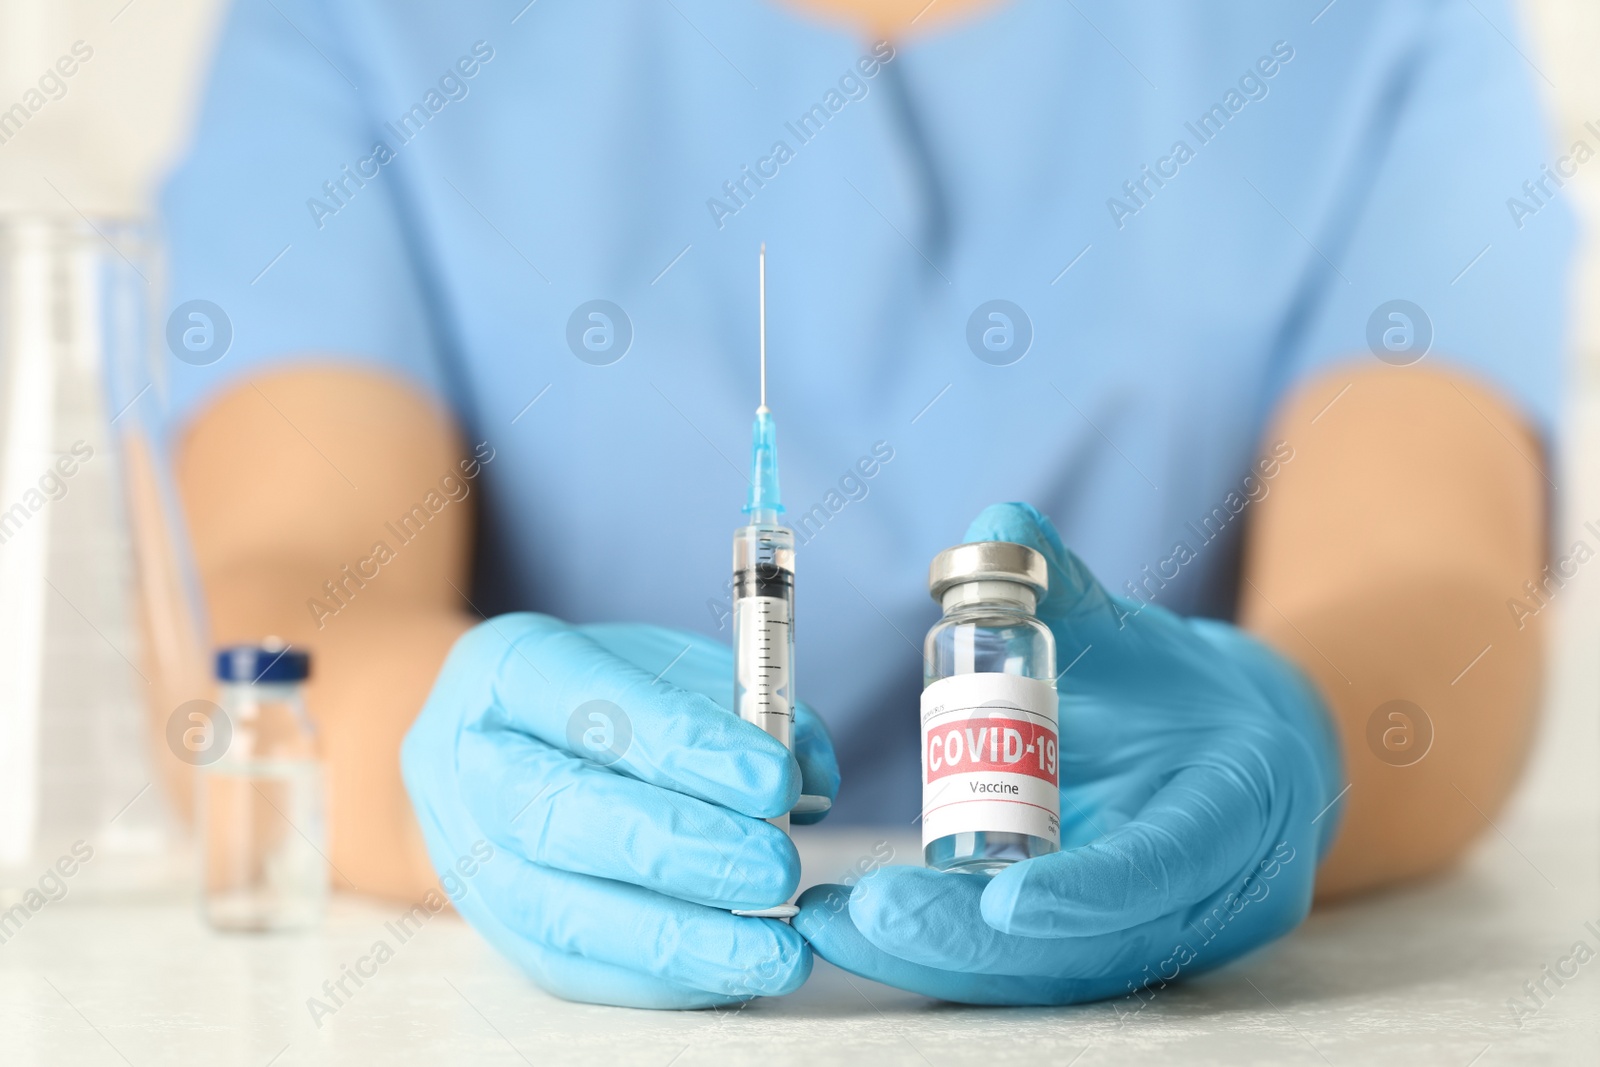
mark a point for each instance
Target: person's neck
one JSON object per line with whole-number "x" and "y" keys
{"x": 892, "y": 18}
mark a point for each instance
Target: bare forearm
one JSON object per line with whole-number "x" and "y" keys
{"x": 1432, "y": 747}
{"x": 1382, "y": 562}
{"x": 351, "y": 542}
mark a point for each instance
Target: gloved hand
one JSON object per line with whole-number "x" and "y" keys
{"x": 623, "y": 802}
{"x": 1195, "y": 763}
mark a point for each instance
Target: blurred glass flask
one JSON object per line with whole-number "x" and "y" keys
{"x": 261, "y": 804}
{"x": 75, "y": 670}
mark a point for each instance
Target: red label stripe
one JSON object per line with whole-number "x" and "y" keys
{"x": 1011, "y": 746}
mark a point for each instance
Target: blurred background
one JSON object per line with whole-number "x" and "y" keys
{"x": 77, "y": 270}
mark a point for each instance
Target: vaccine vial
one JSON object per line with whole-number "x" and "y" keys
{"x": 261, "y": 805}
{"x": 990, "y": 746}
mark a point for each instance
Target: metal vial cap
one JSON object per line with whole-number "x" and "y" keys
{"x": 987, "y": 561}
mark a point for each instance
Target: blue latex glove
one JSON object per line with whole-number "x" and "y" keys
{"x": 621, "y": 830}
{"x": 1195, "y": 764}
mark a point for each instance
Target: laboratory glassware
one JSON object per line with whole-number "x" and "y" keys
{"x": 74, "y": 759}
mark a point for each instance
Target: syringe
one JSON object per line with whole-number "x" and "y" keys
{"x": 763, "y": 598}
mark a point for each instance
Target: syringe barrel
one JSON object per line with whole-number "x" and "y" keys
{"x": 763, "y": 631}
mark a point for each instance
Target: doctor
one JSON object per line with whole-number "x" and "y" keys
{"x": 1277, "y": 352}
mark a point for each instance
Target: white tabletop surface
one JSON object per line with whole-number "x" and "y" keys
{"x": 1420, "y": 976}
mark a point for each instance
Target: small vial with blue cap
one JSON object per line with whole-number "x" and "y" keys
{"x": 261, "y": 806}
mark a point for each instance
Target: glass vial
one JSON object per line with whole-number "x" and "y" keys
{"x": 990, "y": 748}
{"x": 261, "y": 804}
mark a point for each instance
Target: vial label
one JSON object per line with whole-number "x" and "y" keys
{"x": 990, "y": 757}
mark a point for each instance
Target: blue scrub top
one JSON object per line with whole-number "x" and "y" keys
{"x": 1187, "y": 209}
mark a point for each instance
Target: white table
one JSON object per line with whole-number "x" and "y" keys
{"x": 1419, "y": 976}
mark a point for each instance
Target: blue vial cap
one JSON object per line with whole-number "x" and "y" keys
{"x": 269, "y": 663}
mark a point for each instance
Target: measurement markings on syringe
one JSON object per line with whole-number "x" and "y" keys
{"x": 771, "y": 646}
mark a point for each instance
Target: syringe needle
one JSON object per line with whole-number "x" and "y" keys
{"x": 763, "y": 302}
